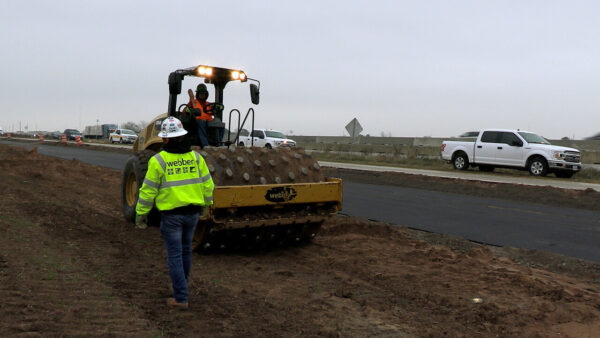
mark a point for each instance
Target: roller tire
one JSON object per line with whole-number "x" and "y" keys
{"x": 133, "y": 176}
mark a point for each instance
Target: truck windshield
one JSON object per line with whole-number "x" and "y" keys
{"x": 127, "y": 131}
{"x": 274, "y": 134}
{"x": 533, "y": 138}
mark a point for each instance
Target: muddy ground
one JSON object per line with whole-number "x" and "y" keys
{"x": 70, "y": 265}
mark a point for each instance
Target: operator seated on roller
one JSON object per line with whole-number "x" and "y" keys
{"x": 179, "y": 184}
{"x": 202, "y": 110}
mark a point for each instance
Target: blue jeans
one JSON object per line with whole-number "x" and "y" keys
{"x": 177, "y": 232}
{"x": 202, "y": 132}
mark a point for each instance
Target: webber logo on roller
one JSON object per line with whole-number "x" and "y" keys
{"x": 280, "y": 194}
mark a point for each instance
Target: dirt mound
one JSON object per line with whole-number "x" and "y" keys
{"x": 70, "y": 265}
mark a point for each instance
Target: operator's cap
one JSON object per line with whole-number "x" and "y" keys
{"x": 201, "y": 88}
{"x": 171, "y": 127}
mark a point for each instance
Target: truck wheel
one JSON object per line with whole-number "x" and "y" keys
{"x": 460, "y": 161}
{"x": 133, "y": 176}
{"x": 486, "y": 168}
{"x": 564, "y": 174}
{"x": 538, "y": 166}
{"x": 268, "y": 146}
{"x": 111, "y": 141}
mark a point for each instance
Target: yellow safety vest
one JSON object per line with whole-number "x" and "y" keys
{"x": 175, "y": 180}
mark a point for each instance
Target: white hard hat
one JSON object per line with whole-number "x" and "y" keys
{"x": 171, "y": 127}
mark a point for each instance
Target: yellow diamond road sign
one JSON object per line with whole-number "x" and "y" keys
{"x": 354, "y": 128}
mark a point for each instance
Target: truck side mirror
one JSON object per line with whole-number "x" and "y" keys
{"x": 517, "y": 144}
{"x": 157, "y": 125}
{"x": 254, "y": 93}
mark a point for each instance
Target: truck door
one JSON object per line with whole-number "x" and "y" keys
{"x": 486, "y": 147}
{"x": 510, "y": 150}
{"x": 259, "y": 138}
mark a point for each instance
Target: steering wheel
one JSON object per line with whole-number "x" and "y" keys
{"x": 182, "y": 105}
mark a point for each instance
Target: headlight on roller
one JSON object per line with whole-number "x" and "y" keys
{"x": 204, "y": 71}
{"x": 235, "y": 75}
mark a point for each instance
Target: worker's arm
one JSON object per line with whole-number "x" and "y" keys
{"x": 150, "y": 187}
{"x": 189, "y": 104}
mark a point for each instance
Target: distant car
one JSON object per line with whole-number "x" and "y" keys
{"x": 123, "y": 136}
{"x": 55, "y": 135}
{"x": 595, "y": 137}
{"x": 72, "y": 133}
{"x": 469, "y": 134}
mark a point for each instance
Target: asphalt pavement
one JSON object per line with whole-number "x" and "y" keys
{"x": 567, "y": 231}
{"x": 106, "y": 159}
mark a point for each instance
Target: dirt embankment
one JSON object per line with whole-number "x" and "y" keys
{"x": 70, "y": 265}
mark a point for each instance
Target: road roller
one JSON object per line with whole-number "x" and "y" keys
{"x": 263, "y": 197}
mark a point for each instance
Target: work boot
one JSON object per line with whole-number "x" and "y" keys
{"x": 174, "y": 304}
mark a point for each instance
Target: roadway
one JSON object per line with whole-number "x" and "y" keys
{"x": 567, "y": 231}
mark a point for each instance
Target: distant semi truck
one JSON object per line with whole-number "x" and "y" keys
{"x": 99, "y": 131}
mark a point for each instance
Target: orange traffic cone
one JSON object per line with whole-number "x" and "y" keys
{"x": 63, "y": 139}
{"x": 41, "y": 137}
{"x": 8, "y": 136}
{"x": 78, "y": 140}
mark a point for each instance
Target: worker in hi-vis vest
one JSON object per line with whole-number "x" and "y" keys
{"x": 202, "y": 110}
{"x": 179, "y": 184}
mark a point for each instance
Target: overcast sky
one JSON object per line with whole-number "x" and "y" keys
{"x": 404, "y": 68}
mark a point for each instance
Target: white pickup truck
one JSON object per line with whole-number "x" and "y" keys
{"x": 502, "y": 148}
{"x": 265, "y": 138}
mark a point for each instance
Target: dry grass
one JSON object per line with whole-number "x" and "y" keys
{"x": 586, "y": 175}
